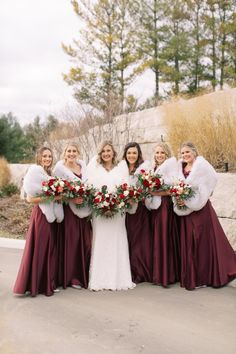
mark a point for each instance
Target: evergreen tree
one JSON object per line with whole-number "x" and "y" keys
{"x": 11, "y": 138}
{"x": 150, "y": 22}
{"x": 176, "y": 52}
{"x": 103, "y": 54}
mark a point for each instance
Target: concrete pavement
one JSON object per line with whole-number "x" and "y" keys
{"x": 147, "y": 319}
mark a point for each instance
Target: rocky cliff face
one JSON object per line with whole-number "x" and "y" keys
{"x": 224, "y": 202}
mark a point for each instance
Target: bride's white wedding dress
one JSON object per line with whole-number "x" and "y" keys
{"x": 110, "y": 265}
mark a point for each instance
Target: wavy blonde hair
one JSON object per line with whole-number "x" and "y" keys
{"x": 66, "y": 147}
{"x": 101, "y": 147}
{"x": 165, "y": 147}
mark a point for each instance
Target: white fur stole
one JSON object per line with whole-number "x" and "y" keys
{"x": 169, "y": 171}
{"x": 60, "y": 170}
{"x": 203, "y": 179}
{"x": 33, "y": 186}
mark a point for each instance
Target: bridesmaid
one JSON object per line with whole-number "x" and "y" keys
{"x": 75, "y": 247}
{"x": 139, "y": 224}
{"x": 207, "y": 258}
{"x": 166, "y": 262}
{"x": 37, "y": 272}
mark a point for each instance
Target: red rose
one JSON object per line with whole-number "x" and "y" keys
{"x": 146, "y": 183}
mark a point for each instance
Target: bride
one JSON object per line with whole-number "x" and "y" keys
{"x": 110, "y": 266}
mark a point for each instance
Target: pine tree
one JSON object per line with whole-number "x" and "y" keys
{"x": 177, "y": 46}
{"x": 103, "y": 54}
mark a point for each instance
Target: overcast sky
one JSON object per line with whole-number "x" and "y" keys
{"x": 31, "y": 58}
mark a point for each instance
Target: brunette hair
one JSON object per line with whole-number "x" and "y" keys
{"x": 133, "y": 144}
{"x": 101, "y": 147}
{"x": 71, "y": 143}
{"x": 39, "y": 155}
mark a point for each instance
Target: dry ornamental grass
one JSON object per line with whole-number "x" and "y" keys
{"x": 5, "y": 174}
{"x": 209, "y": 122}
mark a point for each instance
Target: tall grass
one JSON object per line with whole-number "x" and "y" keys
{"x": 209, "y": 122}
{"x": 5, "y": 173}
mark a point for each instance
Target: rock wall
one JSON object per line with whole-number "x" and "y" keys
{"x": 224, "y": 202}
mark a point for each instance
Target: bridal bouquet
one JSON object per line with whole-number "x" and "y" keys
{"x": 148, "y": 181}
{"x": 181, "y": 191}
{"x": 78, "y": 189}
{"x": 104, "y": 203}
{"x": 127, "y": 195}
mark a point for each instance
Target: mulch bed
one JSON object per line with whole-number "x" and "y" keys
{"x": 14, "y": 217}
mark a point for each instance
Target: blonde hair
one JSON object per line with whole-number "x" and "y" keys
{"x": 101, "y": 147}
{"x": 39, "y": 155}
{"x": 165, "y": 147}
{"x": 66, "y": 147}
{"x": 190, "y": 145}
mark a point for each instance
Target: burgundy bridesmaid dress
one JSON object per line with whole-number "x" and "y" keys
{"x": 37, "y": 270}
{"x": 166, "y": 258}
{"x": 138, "y": 227}
{"x": 74, "y": 250}
{"x": 207, "y": 257}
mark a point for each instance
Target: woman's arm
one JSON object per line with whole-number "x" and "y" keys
{"x": 38, "y": 200}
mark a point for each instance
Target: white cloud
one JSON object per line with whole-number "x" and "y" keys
{"x": 32, "y": 61}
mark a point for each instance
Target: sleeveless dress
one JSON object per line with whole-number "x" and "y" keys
{"x": 140, "y": 240}
{"x": 37, "y": 272}
{"x": 207, "y": 257}
{"x": 166, "y": 257}
{"x": 74, "y": 249}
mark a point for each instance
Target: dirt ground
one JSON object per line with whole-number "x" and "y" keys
{"x": 14, "y": 217}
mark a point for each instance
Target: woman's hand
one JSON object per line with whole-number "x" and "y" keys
{"x": 131, "y": 201}
{"x": 160, "y": 193}
{"x": 58, "y": 198}
{"x": 78, "y": 200}
{"x": 180, "y": 202}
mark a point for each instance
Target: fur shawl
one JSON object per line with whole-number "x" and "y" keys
{"x": 32, "y": 185}
{"x": 60, "y": 170}
{"x": 169, "y": 171}
{"x": 203, "y": 179}
{"x": 99, "y": 176}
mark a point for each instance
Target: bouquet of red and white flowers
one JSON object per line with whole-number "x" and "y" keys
{"x": 53, "y": 187}
{"x": 127, "y": 195}
{"x": 78, "y": 189}
{"x": 181, "y": 191}
{"x": 149, "y": 181}
{"x": 104, "y": 203}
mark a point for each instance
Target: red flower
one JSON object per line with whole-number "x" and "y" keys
{"x": 146, "y": 183}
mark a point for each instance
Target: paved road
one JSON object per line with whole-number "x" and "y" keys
{"x": 147, "y": 319}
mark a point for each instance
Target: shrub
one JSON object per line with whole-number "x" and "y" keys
{"x": 8, "y": 190}
{"x": 5, "y": 173}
